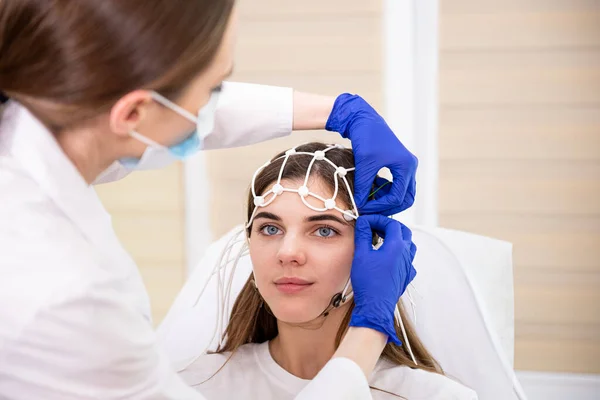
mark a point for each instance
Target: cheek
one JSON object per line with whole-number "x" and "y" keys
{"x": 336, "y": 270}
{"x": 263, "y": 257}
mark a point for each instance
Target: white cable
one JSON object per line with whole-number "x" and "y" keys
{"x": 404, "y": 335}
{"x": 216, "y": 270}
{"x": 412, "y": 304}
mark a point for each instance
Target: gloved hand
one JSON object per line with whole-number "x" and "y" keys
{"x": 375, "y": 146}
{"x": 380, "y": 277}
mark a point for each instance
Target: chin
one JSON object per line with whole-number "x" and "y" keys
{"x": 295, "y": 312}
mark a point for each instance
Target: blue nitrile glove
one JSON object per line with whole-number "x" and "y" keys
{"x": 379, "y": 277}
{"x": 375, "y": 146}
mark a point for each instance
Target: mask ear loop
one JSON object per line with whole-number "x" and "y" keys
{"x": 145, "y": 140}
{"x": 159, "y": 98}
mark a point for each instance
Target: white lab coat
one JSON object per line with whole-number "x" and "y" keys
{"x": 74, "y": 313}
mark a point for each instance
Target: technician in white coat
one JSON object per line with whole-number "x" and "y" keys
{"x": 101, "y": 88}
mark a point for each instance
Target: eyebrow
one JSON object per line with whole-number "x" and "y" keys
{"x": 326, "y": 217}
{"x": 267, "y": 215}
{"x": 313, "y": 218}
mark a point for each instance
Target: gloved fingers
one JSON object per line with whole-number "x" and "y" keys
{"x": 396, "y": 233}
{"x": 413, "y": 251}
{"x": 401, "y": 195}
{"x": 388, "y": 204}
{"x": 395, "y": 198}
{"x": 345, "y": 107}
{"x": 383, "y": 226}
{"x": 363, "y": 235}
{"x": 365, "y": 175}
{"x": 399, "y": 238}
{"x": 389, "y": 229}
{"x": 361, "y": 192}
{"x": 412, "y": 273}
{"x": 380, "y": 188}
{"x": 387, "y": 210}
{"x": 406, "y": 232}
{"x": 410, "y": 195}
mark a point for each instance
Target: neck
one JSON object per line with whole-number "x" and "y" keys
{"x": 304, "y": 351}
{"x": 86, "y": 152}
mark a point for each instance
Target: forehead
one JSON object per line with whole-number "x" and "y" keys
{"x": 291, "y": 204}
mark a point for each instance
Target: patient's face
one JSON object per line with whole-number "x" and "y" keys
{"x": 301, "y": 257}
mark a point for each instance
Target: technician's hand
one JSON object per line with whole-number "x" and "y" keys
{"x": 379, "y": 277}
{"x": 375, "y": 146}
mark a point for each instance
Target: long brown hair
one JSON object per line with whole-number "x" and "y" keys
{"x": 66, "y": 59}
{"x": 252, "y": 322}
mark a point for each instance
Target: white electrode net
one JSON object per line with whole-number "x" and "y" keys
{"x": 303, "y": 191}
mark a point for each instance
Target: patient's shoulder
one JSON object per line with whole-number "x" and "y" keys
{"x": 416, "y": 384}
{"x": 221, "y": 366}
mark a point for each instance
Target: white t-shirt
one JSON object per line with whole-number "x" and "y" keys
{"x": 253, "y": 374}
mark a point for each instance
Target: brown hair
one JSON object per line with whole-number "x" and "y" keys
{"x": 252, "y": 322}
{"x": 66, "y": 59}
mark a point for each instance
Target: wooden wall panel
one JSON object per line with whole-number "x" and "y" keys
{"x": 520, "y": 133}
{"x": 499, "y": 30}
{"x": 520, "y": 160}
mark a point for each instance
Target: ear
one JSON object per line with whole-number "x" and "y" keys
{"x": 129, "y": 110}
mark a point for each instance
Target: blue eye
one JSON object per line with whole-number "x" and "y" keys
{"x": 269, "y": 230}
{"x": 326, "y": 232}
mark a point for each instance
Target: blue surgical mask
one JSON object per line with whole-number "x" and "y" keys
{"x": 157, "y": 155}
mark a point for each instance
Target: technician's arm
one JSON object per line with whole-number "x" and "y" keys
{"x": 250, "y": 113}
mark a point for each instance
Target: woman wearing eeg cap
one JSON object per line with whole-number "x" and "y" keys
{"x": 98, "y": 89}
{"x": 293, "y": 310}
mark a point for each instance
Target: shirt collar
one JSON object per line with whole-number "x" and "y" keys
{"x": 275, "y": 372}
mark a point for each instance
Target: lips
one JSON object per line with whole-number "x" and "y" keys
{"x": 292, "y": 285}
{"x": 292, "y": 281}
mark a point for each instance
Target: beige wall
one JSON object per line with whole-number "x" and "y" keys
{"x": 520, "y": 160}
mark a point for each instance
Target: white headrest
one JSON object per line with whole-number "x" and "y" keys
{"x": 464, "y": 308}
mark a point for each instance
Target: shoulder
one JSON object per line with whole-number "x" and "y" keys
{"x": 44, "y": 259}
{"x": 416, "y": 383}
{"x": 29, "y": 215}
{"x": 221, "y": 367}
{"x": 36, "y": 237}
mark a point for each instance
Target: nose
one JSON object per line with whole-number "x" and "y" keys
{"x": 291, "y": 251}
